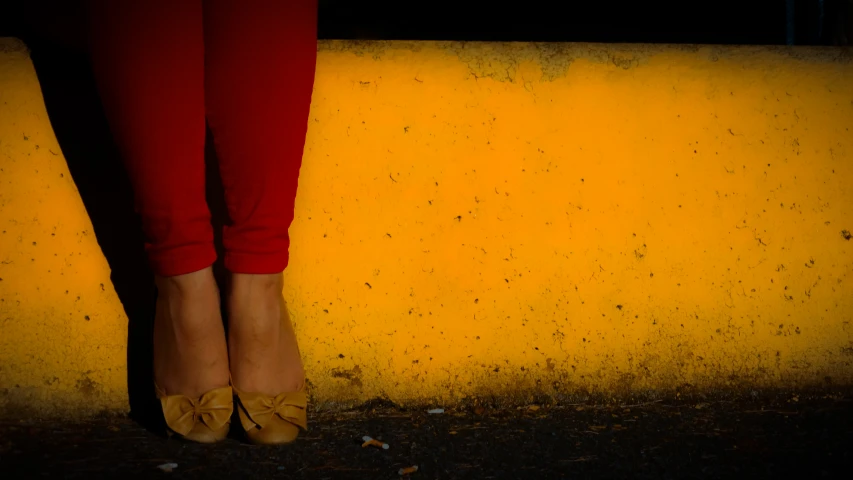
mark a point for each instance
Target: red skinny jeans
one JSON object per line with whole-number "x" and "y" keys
{"x": 163, "y": 67}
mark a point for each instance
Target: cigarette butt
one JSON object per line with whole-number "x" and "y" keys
{"x": 168, "y": 467}
{"x": 408, "y": 470}
{"x": 376, "y": 443}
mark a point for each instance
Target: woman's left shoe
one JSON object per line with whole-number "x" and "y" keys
{"x": 272, "y": 420}
{"x": 202, "y": 420}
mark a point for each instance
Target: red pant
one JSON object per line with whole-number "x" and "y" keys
{"x": 247, "y": 66}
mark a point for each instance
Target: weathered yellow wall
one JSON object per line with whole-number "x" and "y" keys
{"x": 479, "y": 219}
{"x": 63, "y": 332}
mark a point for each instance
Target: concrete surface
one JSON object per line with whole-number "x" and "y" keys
{"x": 498, "y": 220}
{"x": 766, "y": 435}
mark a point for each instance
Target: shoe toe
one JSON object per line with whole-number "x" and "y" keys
{"x": 201, "y": 433}
{"x": 277, "y": 432}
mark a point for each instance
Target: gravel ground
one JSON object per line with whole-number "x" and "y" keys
{"x": 769, "y": 437}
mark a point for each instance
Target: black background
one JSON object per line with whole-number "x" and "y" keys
{"x": 60, "y": 22}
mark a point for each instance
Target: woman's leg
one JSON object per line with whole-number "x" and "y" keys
{"x": 148, "y": 60}
{"x": 259, "y": 77}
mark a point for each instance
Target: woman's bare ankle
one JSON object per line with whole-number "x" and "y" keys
{"x": 264, "y": 355}
{"x": 190, "y": 353}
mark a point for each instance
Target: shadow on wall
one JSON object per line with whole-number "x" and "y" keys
{"x": 81, "y": 128}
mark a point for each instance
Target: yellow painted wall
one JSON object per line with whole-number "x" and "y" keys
{"x": 513, "y": 219}
{"x": 63, "y": 331}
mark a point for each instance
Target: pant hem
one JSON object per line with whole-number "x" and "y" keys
{"x": 258, "y": 264}
{"x": 183, "y": 260}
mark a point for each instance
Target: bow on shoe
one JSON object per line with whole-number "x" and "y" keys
{"x": 260, "y": 409}
{"x": 183, "y": 413}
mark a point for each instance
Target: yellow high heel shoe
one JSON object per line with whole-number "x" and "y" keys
{"x": 205, "y": 420}
{"x": 272, "y": 420}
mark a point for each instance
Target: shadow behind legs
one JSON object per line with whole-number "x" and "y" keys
{"x": 83, "y": 133}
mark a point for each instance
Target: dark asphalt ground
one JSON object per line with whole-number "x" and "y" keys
{"x": 782, "y": 435}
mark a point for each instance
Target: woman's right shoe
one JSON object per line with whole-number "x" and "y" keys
{"x": 205, "y": 420}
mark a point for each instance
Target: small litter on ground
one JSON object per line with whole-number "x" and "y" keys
{"x": 408, "y": 470}
{"x": 436, "y": 410}
{"x": 168, "y": 467}
{"x": 376, "y": 443}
